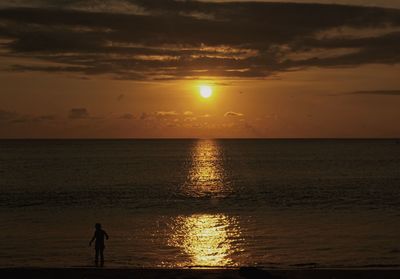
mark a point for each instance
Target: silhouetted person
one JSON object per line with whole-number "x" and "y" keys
{"x": 99, "y": 235}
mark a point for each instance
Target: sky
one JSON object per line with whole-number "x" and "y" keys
{"x": 134, "y": 69}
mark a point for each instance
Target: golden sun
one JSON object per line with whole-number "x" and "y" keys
{"x": 205, "y": 91}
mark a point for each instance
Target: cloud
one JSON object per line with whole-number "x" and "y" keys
{"x": 42, "y": 118}
{"x": 158, "y": 115}
{"x": 376, "y": 92}
{"x": 188, "y": 113}
{"x": 7, "y": 115}
{"x": 233, "y": 114}
{"x": 369, "y": 92}
{"x": 127, "y": 116}
{"x": 222, "y": 83}
{"x": 15, "y": 117}
{"x": 166, "y": 113}
{"x": 78, "y": 113}
{"x": 192, "y": 39}
{"x": 144, "y": 116}
{"x": 21, "y": 119}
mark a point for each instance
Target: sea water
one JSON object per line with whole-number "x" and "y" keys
{"x": 201, "y": 203}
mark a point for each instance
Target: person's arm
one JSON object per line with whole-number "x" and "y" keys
{"x": 106, "y": 235}
{"x": 93, "y": 238}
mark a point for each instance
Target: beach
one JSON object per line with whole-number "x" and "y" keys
{"x": 246, "y": 273}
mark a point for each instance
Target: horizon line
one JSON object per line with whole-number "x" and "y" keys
{"x": 201, "y": 138}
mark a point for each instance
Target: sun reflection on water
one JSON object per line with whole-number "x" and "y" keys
{"x": 206, "y": 176}
{"x": 206, "y": 240}
{"x": 209, "y": 240}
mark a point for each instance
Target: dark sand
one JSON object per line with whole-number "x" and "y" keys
{"x": 88, "y": 273}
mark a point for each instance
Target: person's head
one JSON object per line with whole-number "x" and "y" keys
{"x": 97, "y": 226}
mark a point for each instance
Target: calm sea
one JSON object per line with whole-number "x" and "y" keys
{"x": 182, "y": 203}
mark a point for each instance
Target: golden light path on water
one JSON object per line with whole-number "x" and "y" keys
{"x": 206, "y": 176}
{"x": 209, "y": 240}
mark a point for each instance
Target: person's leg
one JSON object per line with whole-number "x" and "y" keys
{"x": 96, "y": 259}
{"x": 102, "y": 256}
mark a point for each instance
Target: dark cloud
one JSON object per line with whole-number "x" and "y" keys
{"x": 144, "y": 116}
{"x": 15, "y": 117}
{"x": 78, "y": 113}
{"x": 45, "y": 118}
{"x": 21, "y": 119}
{"x": 188, "y": 39}
{"x": 222, "y": 84}
{"x": 233, "y": 114}
{"x": 127, "y": 116}
{"x": 7, "y": 115}
{"x": 377, "y": 92}
{"x": 370, "y": 92}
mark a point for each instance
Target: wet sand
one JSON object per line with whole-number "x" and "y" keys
{"x": 100, "y": 273}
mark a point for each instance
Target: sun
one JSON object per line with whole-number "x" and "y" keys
{"x": 205, "y": 91}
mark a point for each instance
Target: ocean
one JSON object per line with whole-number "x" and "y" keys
{"x": 201, "y": 203}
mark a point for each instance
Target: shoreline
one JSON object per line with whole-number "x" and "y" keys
{"x": 195, "y": 273}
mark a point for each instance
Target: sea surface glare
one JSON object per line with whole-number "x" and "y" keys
{"x": 203, "y": 203}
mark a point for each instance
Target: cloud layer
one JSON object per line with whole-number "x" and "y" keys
{"x": 233, "y": 114}
{"x": 78, "y": 113}
{"x": 13, "y": 117}
{"x": 376, "y": 92}
{"x": 157, "y": 40}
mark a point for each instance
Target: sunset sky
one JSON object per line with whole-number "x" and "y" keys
{"x": 134, "y": 69}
